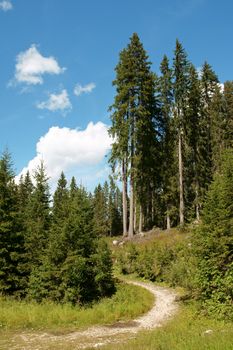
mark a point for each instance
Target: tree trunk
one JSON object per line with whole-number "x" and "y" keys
{"x": 131, "y": 207}
{"x": 197, "y": 203}
{"x": 181, "y": 181}
{"x": 140, "y": 219}
{"x": 152, "y": 209}
{"x": 168, "y": 220}
{"x": 135, "y": 217}
{"x": 124, "y": 199}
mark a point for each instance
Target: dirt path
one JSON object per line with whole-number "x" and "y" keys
{"x": 163, "y": 308}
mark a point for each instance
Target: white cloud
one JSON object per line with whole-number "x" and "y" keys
{"x": 79, "y": 89}
{"x": 221, "y": 87}
{"x": 6, "y": 5}
{"x": 71, "y": 150}
{"x": 31, "y": 66}
{"x": 59, "y": 102}
{"x": 199, "y": 72}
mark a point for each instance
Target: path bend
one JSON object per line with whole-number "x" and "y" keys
{"x": 163, "y": 308}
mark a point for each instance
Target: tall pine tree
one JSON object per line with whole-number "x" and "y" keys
{"x": 12, "y": 277}
{"x": 133, "y": 124}
{"x": 181, "y": 86}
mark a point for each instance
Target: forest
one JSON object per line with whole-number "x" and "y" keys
{"x": 172, "y": 167}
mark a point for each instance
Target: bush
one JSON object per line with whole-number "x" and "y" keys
{"x": 171, "y": 262}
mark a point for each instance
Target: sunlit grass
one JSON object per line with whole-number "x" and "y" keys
{"x": 187, "y": 331}
{"x": 128, "y": 302}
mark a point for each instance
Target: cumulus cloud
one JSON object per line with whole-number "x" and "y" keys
{"x": 59, "y": 102}
{"x": 65, "y": 149}
{"x": 31, "y": 66}
{"x": 79, "y": 89}
{"x": 6, "y": 5}
{"x": 221, "y": 87}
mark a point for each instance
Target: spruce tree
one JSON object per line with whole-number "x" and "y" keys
{"x": 165, "y": 92}
{"x": 228, "y": 114}
{"x": 114, "y": 208}
{"x": 213, "y": 242}
{"x": 194, "y": 136}
{"x": 25, "y": 189}
{"x": 38, "y": 219}
{"x": 77, "y": 269}
{"x": 100, "y": 210}
{"x": 133, "y": 123}
{"x": 209, "y": 82}
{"x": 181, "y": 86}
{"x": 60, "y": 200}
{"x": 217, "y": 131}
{"x": 12, "y": 277}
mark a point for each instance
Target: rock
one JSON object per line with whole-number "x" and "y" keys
{"x": 208, "y": 332}
{"x": 115, "y": 242}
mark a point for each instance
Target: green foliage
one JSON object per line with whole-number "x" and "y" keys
{"x": 213, "y": 242}
{"x": 12, "y": 279}
{"x": 38, "y": 219}
{"x": 165, "y": 260}
{"x": 103, "y": 270}
{"x": 135, "y": 123}
{"x": 50, "y": 253}
{"x": 101, "y": 212}
{"x": 168, "y": 136}
{"x": 74, "y": 268}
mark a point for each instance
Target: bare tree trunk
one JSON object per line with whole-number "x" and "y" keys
{"x": 197, "y": 203}
{"x": 152, "y": 208}
{"x": 140, "y": 219}
{"x": 124, "y": 198}
{"x": 131, "y": 207}
{"x": 168, "y": 220}
{"x": 135, "y": 217}
{"x": 181, "y": 181}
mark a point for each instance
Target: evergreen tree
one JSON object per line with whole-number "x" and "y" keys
{"x": 222, "y": 122}
{"x": 228, "y": 117}
{"x": 71, "y": 270}
{"x": 217, "y": 130}
{"x": 60, "y": 201}
{"x": 38, "y": 219}
{"x": 194, "y": 160}
{"x": 209, "y": 81}
{"x": 100, "y": 208}
{"x": 25, "y": 189}
{"x": 165, "y": 91}
{"x": 213, "y": 242}
{"x": 12, "y": 279}
{"x": 103, "y": 270}
{"x": 114, "y": 209}
{"x": 55, "y": 249}
{"x": 133, "y": 123}
{"x": 181, "y": 86}
{"x": 73, "y": 187}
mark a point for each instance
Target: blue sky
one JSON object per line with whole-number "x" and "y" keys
{"x": 57, "y": 60}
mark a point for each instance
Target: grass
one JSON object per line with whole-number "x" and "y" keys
{"x": 128, "y": 302}
{"x": 185, "y": 332}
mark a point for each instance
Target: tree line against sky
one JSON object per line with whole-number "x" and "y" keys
{"x": 170, "y": 132}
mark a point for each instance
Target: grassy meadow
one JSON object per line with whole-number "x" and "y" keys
{"x": 187, "y": 331}
{"x": 128, "y": 302}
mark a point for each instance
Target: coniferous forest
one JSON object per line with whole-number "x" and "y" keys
{"x": 172, "y": 153}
